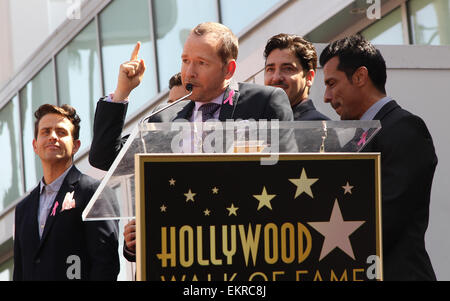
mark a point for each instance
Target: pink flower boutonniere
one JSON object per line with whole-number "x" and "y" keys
{"x": 69, "y": 202}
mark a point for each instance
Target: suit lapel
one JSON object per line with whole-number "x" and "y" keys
{"x": 68, "y": 185}
{"x": 382, "y": 113}
{"x": 302, "y": 108}
{"x": 186, "y": 112}
{"x": 228, "y": 105}
{"x": 32, "y": 224}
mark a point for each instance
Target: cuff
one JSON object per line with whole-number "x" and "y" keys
{"x": 110, "y": 97}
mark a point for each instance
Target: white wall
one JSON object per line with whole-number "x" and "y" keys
{"x": 418, "y": 79}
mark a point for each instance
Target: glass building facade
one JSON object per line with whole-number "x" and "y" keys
{"x": 85, "y": 68}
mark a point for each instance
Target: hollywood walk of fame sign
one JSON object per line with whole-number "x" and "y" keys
{"x": 227, "y": 217}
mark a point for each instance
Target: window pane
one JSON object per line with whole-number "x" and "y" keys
{"x": 10, "y": 177}
{"x": 387, "y": 31}
{"x": 238, "y": 14}
{"x": 430, "y": 21}
{"x": 40, "y": 90}
{"x": 122, "y": 25}
{"x": 78, "y": 73}
{"x": 6, "y": 270}
{"x": 174, "y": 20}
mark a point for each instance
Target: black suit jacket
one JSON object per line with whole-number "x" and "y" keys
{"x": 307, "y": 111}
{"x": 65, "y": 234}
{"x": 310, "y": 140}
{"x": 408, "y": 162}
{"x": 250, "y": 102}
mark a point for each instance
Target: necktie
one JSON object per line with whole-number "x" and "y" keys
{"x": 208, "y": 110}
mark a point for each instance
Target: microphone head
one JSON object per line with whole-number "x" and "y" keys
{"x": 189, "y": 87}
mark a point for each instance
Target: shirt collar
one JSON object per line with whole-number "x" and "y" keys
{"x": 375, "y": 108}
{"x": 56, "y": 184}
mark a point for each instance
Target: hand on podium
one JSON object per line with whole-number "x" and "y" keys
{"x": 129, "y": 234}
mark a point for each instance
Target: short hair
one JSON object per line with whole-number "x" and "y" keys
{"x": 67, "y": 111}
{"x": 303, "y": 49}
{"x": 175, "y": 80}
{"x": 354, "y": 52}
{"x": 229, "y": 45}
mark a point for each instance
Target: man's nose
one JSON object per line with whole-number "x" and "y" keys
{"x": 190, "y": 70}
{"x": 327, "y": 97}
{"x": 277, "y": 76}
{"x": 53, "y": 135}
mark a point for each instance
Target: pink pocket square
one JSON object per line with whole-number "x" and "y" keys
{"x": 69, "y": 202}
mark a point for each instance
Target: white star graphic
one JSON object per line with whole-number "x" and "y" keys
{"x": 347, "y": 188}
{"x": 264, "y": 199}
{"x": 190, "y": 196}
{"x": 232, "y": 210}
{"x": 303, "y": 184}
{"x": 336, "y": 232}
{"x": 172, "y": 182}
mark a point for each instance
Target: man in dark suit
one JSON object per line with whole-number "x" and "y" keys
{"x": 355, "y": 77}
{"x": 51, "y": 241}
{"x": 208, "y": 64}
{"x": 291, "y": 64}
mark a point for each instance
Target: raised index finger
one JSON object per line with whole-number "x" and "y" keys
{"x": 134, "y": 55}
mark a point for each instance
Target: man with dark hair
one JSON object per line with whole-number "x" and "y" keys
{"x": 291, "y": 64}
{"x": 176, "y": 88}
{"x": 51, "y": 241}
{"x": 355, "y": 77}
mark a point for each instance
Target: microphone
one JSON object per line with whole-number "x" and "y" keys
{"x": 188, "y": 87}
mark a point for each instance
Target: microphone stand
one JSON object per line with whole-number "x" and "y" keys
{"x": 188, "y": 87}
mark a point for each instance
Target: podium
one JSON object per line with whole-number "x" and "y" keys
{"x": 249, "y": 200}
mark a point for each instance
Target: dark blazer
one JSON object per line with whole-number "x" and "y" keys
{"x": 307, "y": 111}
{"x": 65, "y": 234}
{"x": 310, "y": 140}
{"x": 408, "y": 162}
{"x": 251, "y": 101}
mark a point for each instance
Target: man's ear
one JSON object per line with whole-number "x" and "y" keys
{"x": 310, "y": 77}
{"x": 76, "y": 146}
{"x": 230, "y": 69}
{"x": 35, "y": 146}
{"x": 360, "y": 76}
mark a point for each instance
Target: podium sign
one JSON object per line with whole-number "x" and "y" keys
{"x": 223, "y": 217}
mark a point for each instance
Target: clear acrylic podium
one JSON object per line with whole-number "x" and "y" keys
{"x": 216, "y": 138}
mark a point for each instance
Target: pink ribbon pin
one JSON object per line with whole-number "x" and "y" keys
{"x": 229, "y": 98}
{"x": 363, "y": 139}
{"x": 54, "y": 209}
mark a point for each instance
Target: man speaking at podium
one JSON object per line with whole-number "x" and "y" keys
{"x": 208, "y": 64}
